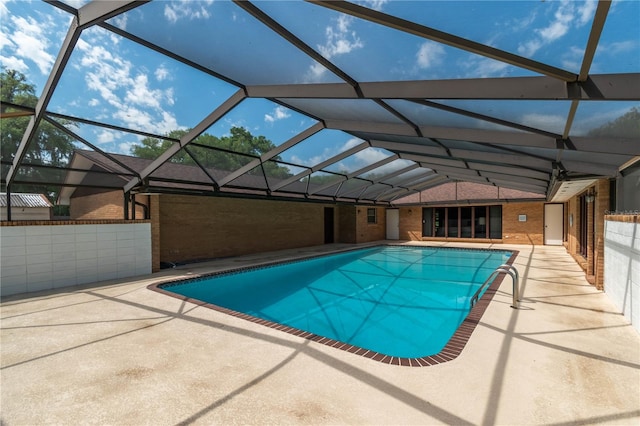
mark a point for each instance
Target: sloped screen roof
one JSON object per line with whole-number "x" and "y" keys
{"x": 367, "y": 101}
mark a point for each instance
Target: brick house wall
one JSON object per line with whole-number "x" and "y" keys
{"x": 97, "y": 205}
{"x": 513, "y": 231}
{"x": 529, "y": 232}
{"x": 347, "y": 230}
{"x": 193, "y": 228}
{"x": 187, "y": 228}
{"x": 593, "y": 263}
{"x": 367, "y": 232}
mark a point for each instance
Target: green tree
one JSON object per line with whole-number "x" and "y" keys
{"x": 625, "y": 126}
{"x": 228, "y": 156}
{"x": 50, "y": 146}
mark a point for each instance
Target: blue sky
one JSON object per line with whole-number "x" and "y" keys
{"x": 113, "y": 80}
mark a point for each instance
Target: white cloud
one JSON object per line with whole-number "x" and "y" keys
{"x": 621, "y": 46}
{"x": 567, "y": 14}
{"x": 4, "y": 41}
{"x": 129, "y": 94}
{"x": 141, "y": 94}
{"x": 177, "y": 10}
{"x": 279, "y": 113}
{"x": 162, "y": 73}
{"x": 529, "y": 48}
{"x": 586, "y": 11}
{"x": 430, "y": 54}
{"x": 125, "y": 147}
{"x": 106, "y": 137}
{"x": 169, "y": 96}
{"x": 369, "y": 156}
{"x": 326, "y": 153}
{"x": 351, "y": 143}
{"x": 13, "y": 63}
{"x": 560, "y": 26}
{"x": 487, "y": 67}
{"x": 4, "y": 12}
{"x": 375, "y": 4}
{"x": 340, "y": 39}
{"x": 30, "y": 42}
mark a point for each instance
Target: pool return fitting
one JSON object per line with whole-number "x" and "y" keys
{"x": 515, "y": 278}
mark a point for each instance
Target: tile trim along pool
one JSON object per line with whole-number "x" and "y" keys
{"x": 450, "y": 351}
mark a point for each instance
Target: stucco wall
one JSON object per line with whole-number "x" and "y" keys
{"x": 622, "y": 265}
{"x": 43, "y": 256}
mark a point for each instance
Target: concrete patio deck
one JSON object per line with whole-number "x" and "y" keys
{"x": 117, "y": 353}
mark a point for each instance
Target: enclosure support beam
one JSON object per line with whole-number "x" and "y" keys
{"x": 89, "y": 14}
{"x": 212, "y": 118}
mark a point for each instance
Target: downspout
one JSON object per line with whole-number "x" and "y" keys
{"x": 144, "y": 208}
{"x": 9, "y": 203}
{"x": 126, "y": 206}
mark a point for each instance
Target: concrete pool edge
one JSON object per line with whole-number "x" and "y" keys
{"x": 451, "y": 350}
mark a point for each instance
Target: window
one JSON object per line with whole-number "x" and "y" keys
{"x": 462, "y": 222}
{"x": 371, "y": 216}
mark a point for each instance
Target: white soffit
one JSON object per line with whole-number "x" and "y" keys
{"x": 571, "y": 188}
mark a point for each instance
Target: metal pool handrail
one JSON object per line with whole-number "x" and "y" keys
{"x": 515, "y": 277}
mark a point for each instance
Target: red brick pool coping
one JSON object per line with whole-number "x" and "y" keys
{"x": 452, "y": 349}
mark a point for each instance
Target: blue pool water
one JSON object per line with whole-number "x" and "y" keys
{"x": 398, "y": 301}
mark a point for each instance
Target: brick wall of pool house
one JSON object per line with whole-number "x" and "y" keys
{"x": 190, "y": 228}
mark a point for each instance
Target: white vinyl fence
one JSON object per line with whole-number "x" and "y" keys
{"x": 622, "y": 265}
{"x": 34, "y": 258}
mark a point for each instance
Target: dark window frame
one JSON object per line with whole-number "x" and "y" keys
{"x": 372, "y": 219}
{"x": 480, "y": 229}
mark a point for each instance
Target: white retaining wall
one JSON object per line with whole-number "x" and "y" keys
{"x": 34, "y": 258}
{"x": 622, "y": 267}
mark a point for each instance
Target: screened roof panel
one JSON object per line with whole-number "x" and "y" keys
{"x": 352, "y": 188}
{"x": 344, "y": 109}
{"x": 374, "y": 191}
{"x": 456, "y": 88}
{"x": 367, "y": 51}
{"x": 532, "y": 29}
{"x": 134, "y": 87}
{"x": 320, "y": 147}
{"x": 227, "y": 31}
{"x": 262, "y": 118}
{"x": 407, "y": 177}
{"x": 472, "y": 146}
{"x": 31, "y": 40}
{"x": 619, "y": 50}
{"x": 424, "y": 115}
{"x": 380, "y": 172}
{"x": 111, "y": 140}
{"x": 607, "y": 119}
{"x": 548, "y": 116}
{"x": 321, "y": 180}
{"x": 359, "y": 160}
{"x": 253, "y": 179}
{"x": 330, "y": 191}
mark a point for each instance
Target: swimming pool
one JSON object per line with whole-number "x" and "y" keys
{"x": 403, "y": 302}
